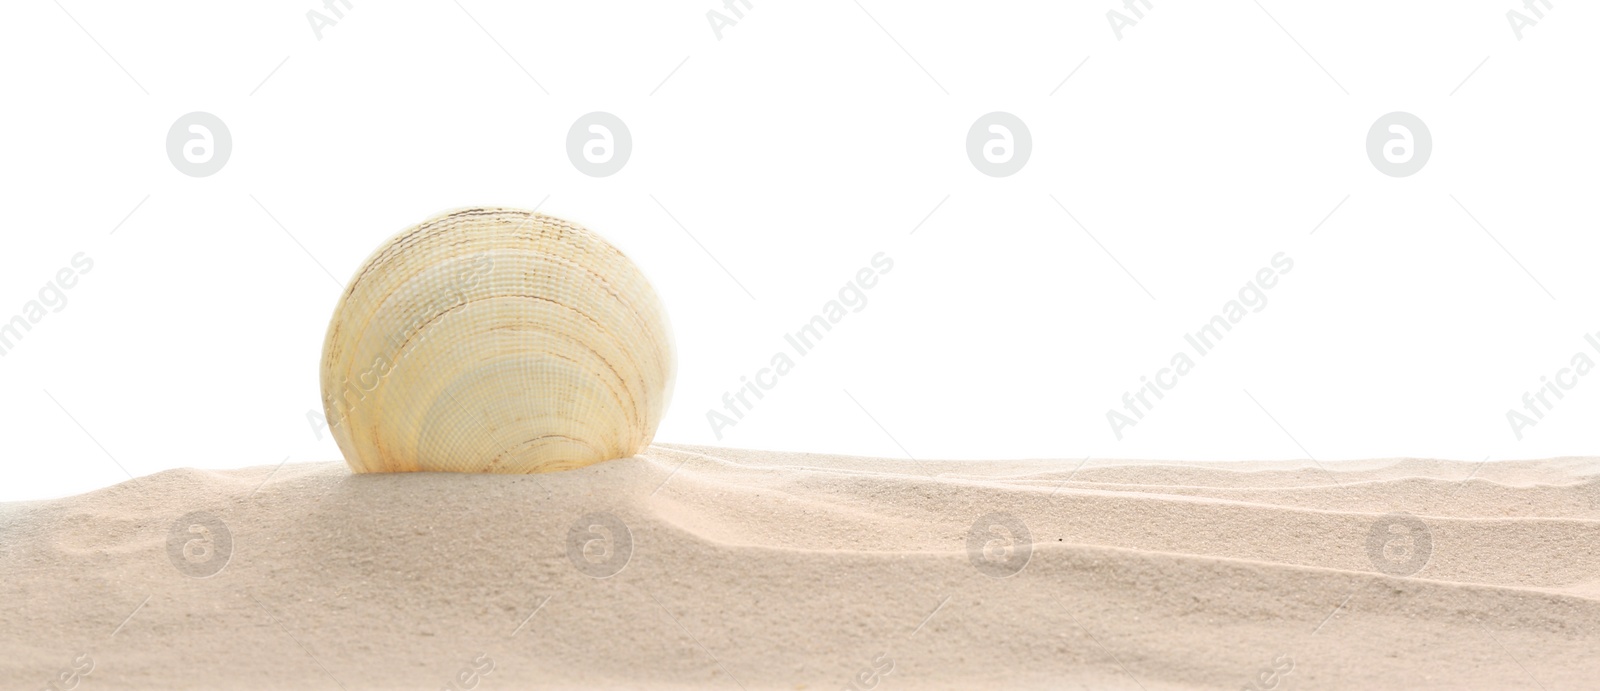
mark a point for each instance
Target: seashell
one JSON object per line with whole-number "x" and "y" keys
{"x": 494, "y": 340}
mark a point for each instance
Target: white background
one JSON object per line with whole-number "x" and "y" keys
{"x": 804, "y": 141}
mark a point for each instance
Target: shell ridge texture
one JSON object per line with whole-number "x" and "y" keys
{"x": 495, "y": 340}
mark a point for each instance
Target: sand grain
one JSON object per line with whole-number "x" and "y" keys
{"x": 762, "y": 570}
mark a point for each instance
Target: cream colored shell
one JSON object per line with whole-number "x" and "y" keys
{"x": 495, "y": 340}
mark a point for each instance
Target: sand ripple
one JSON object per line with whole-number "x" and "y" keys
{"x": 739, "y": 569}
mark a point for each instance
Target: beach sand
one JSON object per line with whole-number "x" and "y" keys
{"x": 708, "y": 568}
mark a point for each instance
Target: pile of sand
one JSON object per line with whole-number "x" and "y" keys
{"x": 703, "y": 568}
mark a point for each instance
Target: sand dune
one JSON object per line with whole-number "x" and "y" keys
{"x": 704, "y": 568}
